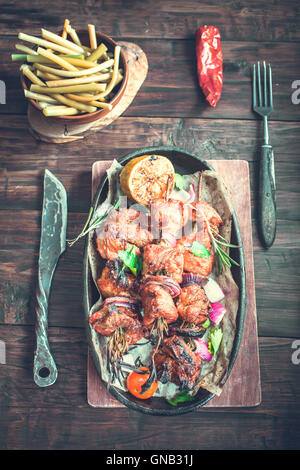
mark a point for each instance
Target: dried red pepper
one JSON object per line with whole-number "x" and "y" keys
{"x": 209, "y": 63}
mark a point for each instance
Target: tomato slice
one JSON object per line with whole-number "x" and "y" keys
{"x": 135, "y": 381}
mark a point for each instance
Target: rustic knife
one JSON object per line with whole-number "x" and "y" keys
{"x": 52, "y": 245}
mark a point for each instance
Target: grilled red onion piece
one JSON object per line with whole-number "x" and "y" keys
{"x": 218, "y": 312}
{"x": 203, "y": 349}
{"x": 192, "y": 194}
{"x": 169, "y": 284}
{"x": 190, "y": 278}
{"x": 127, "y": 302}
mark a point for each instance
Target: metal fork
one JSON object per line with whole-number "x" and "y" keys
{"x": 263, "y": 105}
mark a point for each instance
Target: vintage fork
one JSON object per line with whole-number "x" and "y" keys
{"x": 263, "y": 105}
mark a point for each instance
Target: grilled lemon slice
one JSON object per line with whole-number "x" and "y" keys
{"x": 147, "y": 177}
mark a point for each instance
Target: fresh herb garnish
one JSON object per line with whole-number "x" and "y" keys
{"x": 199, "y": 249}
{"x": 206, "y": 323}
{"x": 131, "y": 260}
{"x": 181, "y": 397}
{"x": 223, "y": 258}
{"x": 93, "y": 224}
{"x": 178, "y": 181}
{"x": 215, "y": 338}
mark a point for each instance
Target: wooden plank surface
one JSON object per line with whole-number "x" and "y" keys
{"x": 170, "y": 109}
{"x": 243, "y": 388}
{"x": 238, "y": 21}
{"x": 171, "y": 87}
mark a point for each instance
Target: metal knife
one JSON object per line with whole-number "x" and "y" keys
{"x": 52, "y": 245}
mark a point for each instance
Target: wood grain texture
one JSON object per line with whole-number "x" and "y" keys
{"x": 21, "y": 177}
{"x": 171, "y": 87}
{"x": 21, "y": 172}
{"x": 169, "y": 109}
{"x": 30, "y": 417}
{"x": 209, "y": 138}
{"x": 280, "y": 386}
{"x": 238, "y": 21}
{"x": 243, "y": 386}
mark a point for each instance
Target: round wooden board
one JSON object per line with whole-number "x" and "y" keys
{"x": 47, "y": 130}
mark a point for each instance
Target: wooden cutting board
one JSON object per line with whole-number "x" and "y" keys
{"x": 243, "y": 387}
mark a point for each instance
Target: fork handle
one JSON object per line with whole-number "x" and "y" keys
{"x": 267, "y": 202}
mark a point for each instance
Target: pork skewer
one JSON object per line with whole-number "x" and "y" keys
{"x": 157, "y": 297}
{"x": 203, "y": 215}
{"x": 163, "y": 269}
{"x": 116, "y": 281}
{"x": 176, "y": 362}
{"x": 118, "y": 319}
{"x": 158, "y": 304}
{"x": 160, "y": 259}
{"x": 192, "y": 303}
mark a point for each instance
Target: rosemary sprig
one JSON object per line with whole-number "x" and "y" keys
{"x": 223, "y": 258}
{"x": 92, "y": 225}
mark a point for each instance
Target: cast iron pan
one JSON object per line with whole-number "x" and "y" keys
{"x": 184, "y": 163}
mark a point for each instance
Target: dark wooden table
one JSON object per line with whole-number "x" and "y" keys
{"x": 169, "y": 109}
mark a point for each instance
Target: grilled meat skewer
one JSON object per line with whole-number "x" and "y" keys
{"x": 118, "y": 319}
{"x": 176, "y": 362}
{"x": 162, "y": 259}
{"x": 157, "y": 303}
{"x": 193, "y": 305}
{"x": 170, "y": 216}
{"x": 202, "y": 215}
{"x": 115, "y": 281}
{"x": 122, "y": 230}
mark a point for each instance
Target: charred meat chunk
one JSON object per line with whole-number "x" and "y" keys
{"x": 203, "y": 215}
{"x": 114, "y": 281}
{"x": 193, "y": 305}
{"x": 162, "y": 259}
{"x": 191, "y": 262}
{"x": 109, "y": 318}
{"x": 157, "y": 303}
{"x": 175, "y": 362}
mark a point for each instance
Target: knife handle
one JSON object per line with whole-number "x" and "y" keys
{"x": 44, "y": 367}
{"x": 267, "y": 203}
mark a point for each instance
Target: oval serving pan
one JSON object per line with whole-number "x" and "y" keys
{"x": 184, "y": 163}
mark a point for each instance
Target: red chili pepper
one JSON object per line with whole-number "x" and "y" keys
{"x": 209, "y": 63}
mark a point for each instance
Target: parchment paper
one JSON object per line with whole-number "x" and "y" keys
{"x": 213, "y": 373}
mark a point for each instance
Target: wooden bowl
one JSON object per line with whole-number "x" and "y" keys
{"x": 119, "y": 89}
